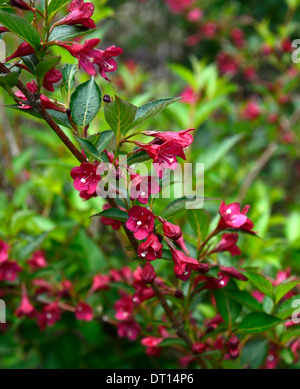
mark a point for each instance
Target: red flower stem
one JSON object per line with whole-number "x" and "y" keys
{"x": 35, "y": 102}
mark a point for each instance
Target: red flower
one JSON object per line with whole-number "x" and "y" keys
{"x": 140, "y": 222}
{"x": 80, "y": 13}
{"x": 148, "y": 273}
{"x": 83, "y": 312}
{"x": 183, "y": 137}
{"x": 23, "y": 50}
{"x": 151, "y": 249}
{"x": 212, "y": 282}
{"x": 232, "y": 272}
{"x": 209, "y": 30}
{"x": 128, "y": 329}
{"x": 178, "y": 6}
{"x": 194, "y": 15}
{"x": 49, "y": 315}
{"x": 142, "y": 187}
{"x": 237, "y": 37}
{"x": 44, "y": 287}
{"x": 100, "y": 282}
{"x": 233, "y": 344}
{"x": 151, "y": 342}
{"x": 189, "y": 96}
{"x": 172, "y": 231}
{"x": 115, "y": 224}
{"x": 198, "y": 348}
{"x": 9, "y": 270}
{"x": 233, "y": 217}
{"x": 183, "y": 265}
{"x": 25, "y": 308}
{"x": 104, "y": 59}
{"x": 123, "y": 307}
{"x": 4, "y": 247}
{"x": 37, "y": 260}
{"x": 228, "y": 243}
{"x": 86, "y": 179}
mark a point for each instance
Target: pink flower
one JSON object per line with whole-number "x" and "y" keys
{"x": 100, "y": 282}
{"x": 23, "y": 50}
{"x": 91, "y": 59}
{"x": 142, "y": 187}
{"x": 148, "y": 273}
{"x": 179, "y": 6}
{"x": 183, "y": 265}
{"x": 250, "y": 73}
{"x": 43, "y": 286}
{"x": 232, "y": 272}
{"x": 9, "y": 270}
{"x": 128, "y": 329}
{"x": 47, "y": 104}
{"x": 252, "y": 110}
{"x": 49, "y": 315}
{"x": 80, "y": 13}
{"x": 189, "y": 96}
{"x": 152, "y": 343}
{"x": 85, "y": 179}
{"x": 233, "y": 344}
{"x": 65, "y": 289}
{"x": 272, "y": 360}
{"x": 233, "y": 217}
{"x": 183, "y": 138}
{"x": 37, "y": 260}
{"x": 123, "y": 307}
{"x": 172, "y": 231}
{"x": 163, "y": 155}
{"x": 209, "y": 30}
{"x": 83, "y": 312}
{"x": 115, "y": 224}
{"x": 25, "y": 308}
{"x": 194, "y": 15}
{"x": 237, "y": 37}
{"x": 228, "y": 243}
{"x": 227, "y": 64}
{"x": 4, "y": 247}
{"x": 199, "y": 348}
{"x": 140, "y": 222}
{"x": 212, "y": 282}
{"x": 151, "y": 249}
{"x": 51, "y": 77}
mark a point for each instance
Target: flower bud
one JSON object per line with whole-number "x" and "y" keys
{"x": 20, "y": 4}
{"x": 172, "y": 231}
{"x": 148, "y": 273}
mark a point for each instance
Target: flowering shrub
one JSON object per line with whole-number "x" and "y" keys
{"x": 172, "y": 290}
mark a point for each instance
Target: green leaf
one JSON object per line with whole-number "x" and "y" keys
{"x": 89, "y": 148}
{"x": 138, "y": 157}
{"x": 227, "y": 307}
{"x": 9, "y": 80}
{"x": 22, "y": 28}
{"x": 260, "y": 282}
{"x": 184, "y": 203}
{"x": 282, "y": 289}
{"x": 258, "y": 322}
{"x": 102, "y": 140}
{"x": 33, "y": 245}
{"x": 114, "y": 213}
{"x": 30, "y": 61}
{"x": 172, "y": 342}
{"x": 65, "y": 32}
{"x": 254, "y": 353}
{"x": 119, "y": 114}
{"x": 45, "y": 65}
{"x": 214, "y": 155}
{"x": 291, "y": 333}
{"x": 55, "y": 5}
{"x": 85, "y": 102}
{"x": 286, "y": 309}
{"x": 244, "y": 298}
{"x": 150, "y": 109}
{"x": 68, "y": 73}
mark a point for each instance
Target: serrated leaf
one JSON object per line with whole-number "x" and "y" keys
{"x": 282, "y": 289}
{"x": 85, "y": 102}
{"x": 114, "y": 213}
{"x": 119, "y": 114}
{"x": 260, "y": 282}
{"x": 22, "y": 28}
{"x": 9, "y": 80}
{"x": 150, "y": 109}
{"x": 89, "y": 148}
{"x": 184, "y": 203}
{"x": 227, "y": 307}
{"x": 257, "y": 322}
{"x": 65, "y": 32}
{"x": 244, "y": 298}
